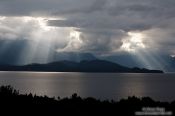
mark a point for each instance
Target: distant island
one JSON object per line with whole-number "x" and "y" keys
{"x": 82, "y": 66}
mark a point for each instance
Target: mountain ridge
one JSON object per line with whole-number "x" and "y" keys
{"x": 82, "y": 66}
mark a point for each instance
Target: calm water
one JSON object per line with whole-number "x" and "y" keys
{"x": 98, "y": 85}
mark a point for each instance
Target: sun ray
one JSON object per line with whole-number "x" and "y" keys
{"x": 74, "y": 43}
{"x": 133, "y": 43}
{"x": 39, "y": 38}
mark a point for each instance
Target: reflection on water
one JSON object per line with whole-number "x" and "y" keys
{"x": 99, "y": 85}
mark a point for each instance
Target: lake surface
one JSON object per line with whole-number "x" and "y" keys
{"x": 99, "y": 85}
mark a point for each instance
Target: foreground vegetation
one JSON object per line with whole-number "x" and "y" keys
{"x": 12, "y": 102}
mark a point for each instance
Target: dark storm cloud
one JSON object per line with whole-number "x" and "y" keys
{"x": 103, "y": 24}
{"x": 100, "y": 27}
{"x": 124, "y": 15}
{"x": 113, "y": 14}
{"x": 101, "y": 41}
{"x": 136, "y": 15}
{"x": 29, "y": 7}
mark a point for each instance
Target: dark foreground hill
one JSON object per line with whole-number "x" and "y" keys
{"x": 83, "y": 66}
{"x": 12, "y": 103}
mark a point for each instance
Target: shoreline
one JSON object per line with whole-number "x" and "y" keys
{"x": 89, "y": 72}
{"x": 12, "y": 100}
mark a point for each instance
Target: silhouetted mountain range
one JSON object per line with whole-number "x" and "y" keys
{"x": 163, "y": 62}
{"x": 83, "y": 66}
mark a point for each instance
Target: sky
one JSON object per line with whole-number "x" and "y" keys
{"x": 141, "y": 30}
